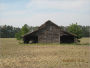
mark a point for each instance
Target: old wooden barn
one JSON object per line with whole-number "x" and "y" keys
{"x": 49, "y": 33}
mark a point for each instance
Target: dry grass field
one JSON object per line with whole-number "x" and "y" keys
{"x": 15, "y": 55}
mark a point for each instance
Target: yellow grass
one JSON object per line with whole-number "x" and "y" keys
{"x": 15, "y": 55}
{"x": 85, "y": 41}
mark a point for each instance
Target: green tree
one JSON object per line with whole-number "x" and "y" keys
{"x": 18, "y": 35}
{"x": 75, "y": 29}
{"x": 86, "y": 31}
{"x": 24, "y": 30}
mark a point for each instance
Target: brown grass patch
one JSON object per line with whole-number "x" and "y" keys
{"x": 15, "y": 55}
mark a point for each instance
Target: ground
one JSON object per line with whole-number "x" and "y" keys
{"x": 16, "y": 55}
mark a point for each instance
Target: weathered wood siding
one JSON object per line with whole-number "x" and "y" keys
{"x": 50, "y": 34}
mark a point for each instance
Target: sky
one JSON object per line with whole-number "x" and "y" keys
{"x": 36, "y": 12}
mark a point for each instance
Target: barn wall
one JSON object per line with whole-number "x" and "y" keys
{"x": 50, "y": 34}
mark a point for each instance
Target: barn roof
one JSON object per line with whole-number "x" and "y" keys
{"x": 65, "y": 32}
{"x": 48, "y": 23}
{"x": 44, "y": 25}
{"x": 41, "y": 27}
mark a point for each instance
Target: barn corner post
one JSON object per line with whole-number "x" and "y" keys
{"x": 24, "y": 40}
{"x": 75, "y": 39}
{"x": 59, "y": 39}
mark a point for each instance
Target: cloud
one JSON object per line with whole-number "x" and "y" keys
{"x": 3, "y": 7}
{"x": 62, "y": 12}
{"x": 38, "y": 19}
{"x": 13, "y": 13}
{"x": 57, "y": 4}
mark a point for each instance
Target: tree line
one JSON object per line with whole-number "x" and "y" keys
{"x": 7, "y": 31}
{"x": 79, "y": 30}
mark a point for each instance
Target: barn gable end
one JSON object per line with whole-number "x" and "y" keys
{"x": 50, "y": 33}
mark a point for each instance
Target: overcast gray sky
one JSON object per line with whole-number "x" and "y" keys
{"x": 36, "y": 12}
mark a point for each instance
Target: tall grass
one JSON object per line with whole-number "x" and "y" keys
{"x": 16, "y": 55}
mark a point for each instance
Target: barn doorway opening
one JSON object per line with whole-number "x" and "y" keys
{"x": 33, "y": 39}
{"x": 66, "y": 39}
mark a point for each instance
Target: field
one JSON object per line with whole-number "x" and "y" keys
{"x": 16, "y": 55}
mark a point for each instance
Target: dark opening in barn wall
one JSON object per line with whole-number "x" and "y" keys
{"x": 66, "y": 39}
{"x": 35, "y": 39}
{"x": 31, "y": 39}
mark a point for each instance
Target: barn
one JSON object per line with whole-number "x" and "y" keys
{"x": 49, "y": 32}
